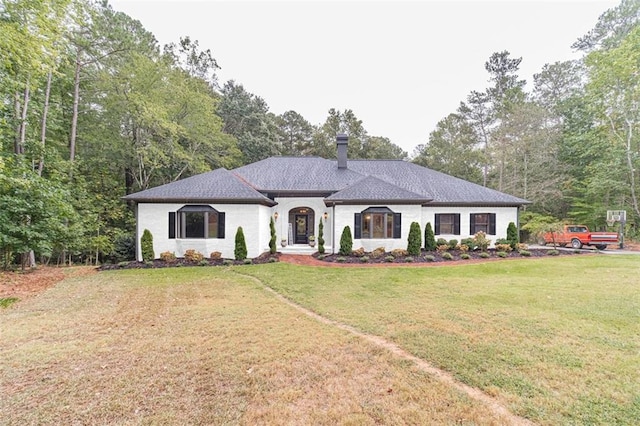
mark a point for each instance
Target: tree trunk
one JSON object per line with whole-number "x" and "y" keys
{"x": 17, "y": 108}
{"x": 43, "y": 131}
{"x": 23, "y": 120}
{"x": 74, "y": 117}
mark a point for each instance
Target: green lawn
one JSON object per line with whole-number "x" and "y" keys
{"x": 556, "y": 340}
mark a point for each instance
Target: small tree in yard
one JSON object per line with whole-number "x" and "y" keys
{"x": 512, "y": 235}
{"x": 272, "y": 241}
{"x": 414, "y": 241}
{"x": 320, "y": 237}
{"x": 346, "y": 242}
{"x": 146, "y": 246}
{"x": 429, "y": 238}
{"x": 240, "y": 251}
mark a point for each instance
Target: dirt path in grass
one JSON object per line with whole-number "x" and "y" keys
{"x": 442, "y": 375}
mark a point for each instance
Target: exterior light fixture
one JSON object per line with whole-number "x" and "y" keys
{"x": 326, "y": 215}
{"x": 275, "y": 215}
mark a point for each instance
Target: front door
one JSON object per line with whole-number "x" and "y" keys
{"x": 301, "y": 228}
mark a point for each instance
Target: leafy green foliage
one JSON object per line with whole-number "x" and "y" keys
{"x": 512, "y": 235}
{"x": 240, "y": 251}
{"x": 346, "y": 242}
{"x": 272, "y": 241}
{"x": 414, "y": 240}
{"x": 146, "y": 246}
{"x": 321, "y": 237}
{"x": 429, "y": 238}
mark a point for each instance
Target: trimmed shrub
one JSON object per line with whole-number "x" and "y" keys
{"x": 341, "y": 259}
{"x": 481, "y": 241}
{"x": 146, "y": 246}
{"x": 429, "y": 238}
{"x": 346, "y": 242}
{"x": 525, "y": 253}
{"x": 442, "y": 242}
{"x": 358, "y": 252}
{"x": 321, "y": 256}
{"x": 442, "y": 248}
{"x": 272, "y": 241}
{"x": 192, "y": 255}
{"x": 502, "y": 253}
{"x": 364, "y": 259}
{"x": 408, "y": 259}
{"x": 273, "y": 260}
{"x": 469, "y": 243}
{"x": 484, "y": 255}
{"x": 430, "y": 258}
{"x": 521, "y": 246}
{"x": 447, "y": 256}
{"x": 377, "y": 253}
{"x": 503, "y": 247}
{"x": 321, "y": 237}
{"x": 553, "y": 252}
{"x": 389, "y": 259}
{"x": 240, "y": 251}
{"x": 502, "y": 241}
{"x": 168, "y": 256}
{"x": 227, "y": 262}
{"x": 203, "y": 262}
{"x": 465, "y": 256}
{"x": 247, "y": 261}
{"x": 414, "y": 241}
{"x": 215, "y": 255}
{"x": 512, "y": 235}
{"x": 463, "y": 248}
{"x": 453, "y": 244}
{"x": 399, "y": 253}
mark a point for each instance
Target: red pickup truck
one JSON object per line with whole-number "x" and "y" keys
{"x": 578, "y": 236}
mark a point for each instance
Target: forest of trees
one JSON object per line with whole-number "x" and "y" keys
{"x": 93, "y": 108}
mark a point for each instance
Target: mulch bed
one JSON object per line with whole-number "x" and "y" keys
{"x": 181, "y": 262}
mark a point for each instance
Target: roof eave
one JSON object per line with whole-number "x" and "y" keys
{"x": 330, "y": 203}
{"x": 164, "y": 200}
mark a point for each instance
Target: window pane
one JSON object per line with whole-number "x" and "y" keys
{"x": 366, "y": 226}
{"x": 446, "y": 224}
{"x": 481, "y": 223}
{"x": 389, "y": 226}
{"x": 378, "y": 225}
{"x": 213, "y": 225}
{"x": 194, "y": 224}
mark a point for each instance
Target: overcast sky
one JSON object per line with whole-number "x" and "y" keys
{"x": 400, "y": 66}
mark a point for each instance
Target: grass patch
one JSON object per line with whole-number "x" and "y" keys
{"x": 555, "y": 339}
{"x": 203, "y": 346}
{"x": 5, "y": 302}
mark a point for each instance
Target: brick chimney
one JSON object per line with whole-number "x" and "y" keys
{"x": 341, "y": 141}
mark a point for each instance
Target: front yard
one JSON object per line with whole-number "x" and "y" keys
{"x": 556, "y": 340}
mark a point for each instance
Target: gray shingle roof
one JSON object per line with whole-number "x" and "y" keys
{"x": 219, "y": 185}
{"x": 372, "y": 189}
{"x": 362, "y": 181}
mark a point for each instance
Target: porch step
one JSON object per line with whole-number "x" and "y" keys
{"x": 303, "y": 249}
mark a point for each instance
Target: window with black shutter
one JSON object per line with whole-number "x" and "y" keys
{"x": 377, "y": 223}
{"x": 196, "y": 221}
{"x": 482, "y": 222}
{"x": 447, "y": 223}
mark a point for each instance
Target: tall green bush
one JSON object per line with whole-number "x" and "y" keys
{"x": 320, "y": 237}
{"x": 240, "y": 252}
{"x": 146, "y": 246}
{"x": 512, "y": 235}
{"x": 346, "y": 242}
{"x": 429, "y": 238}
{"x": 272, "y": 241}
{"x": 414, "y": 241}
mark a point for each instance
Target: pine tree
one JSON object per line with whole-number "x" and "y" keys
{"x": 146, "y": 246}
{"x": 272, "y": 241}
{"x": 320, "y": 237}
{"x": 240, "y": 251}
{"x": 429, "y": 238}
{"x": 346, "y": 242}
{"x": 512, "y": 235}
{"x": 414, "y": 240}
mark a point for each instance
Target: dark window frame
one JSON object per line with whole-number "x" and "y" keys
{"x": 455, "y": 225}
{"x": 488, "y": 226}
{"x": 179, "y": 223}
{"x": 391, "y": 224}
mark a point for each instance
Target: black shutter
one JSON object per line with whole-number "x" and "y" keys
{"x": 456, "y": 224}
{"x": 492, "y": 224}
{"x": 397, "y": 225}
{"x": 172, "y": 225}
{"x": 357, "y": 226}
{"x": 472, "y": 224}
{"x": 221, "y": 225}
{"x": 437, "y": 230}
